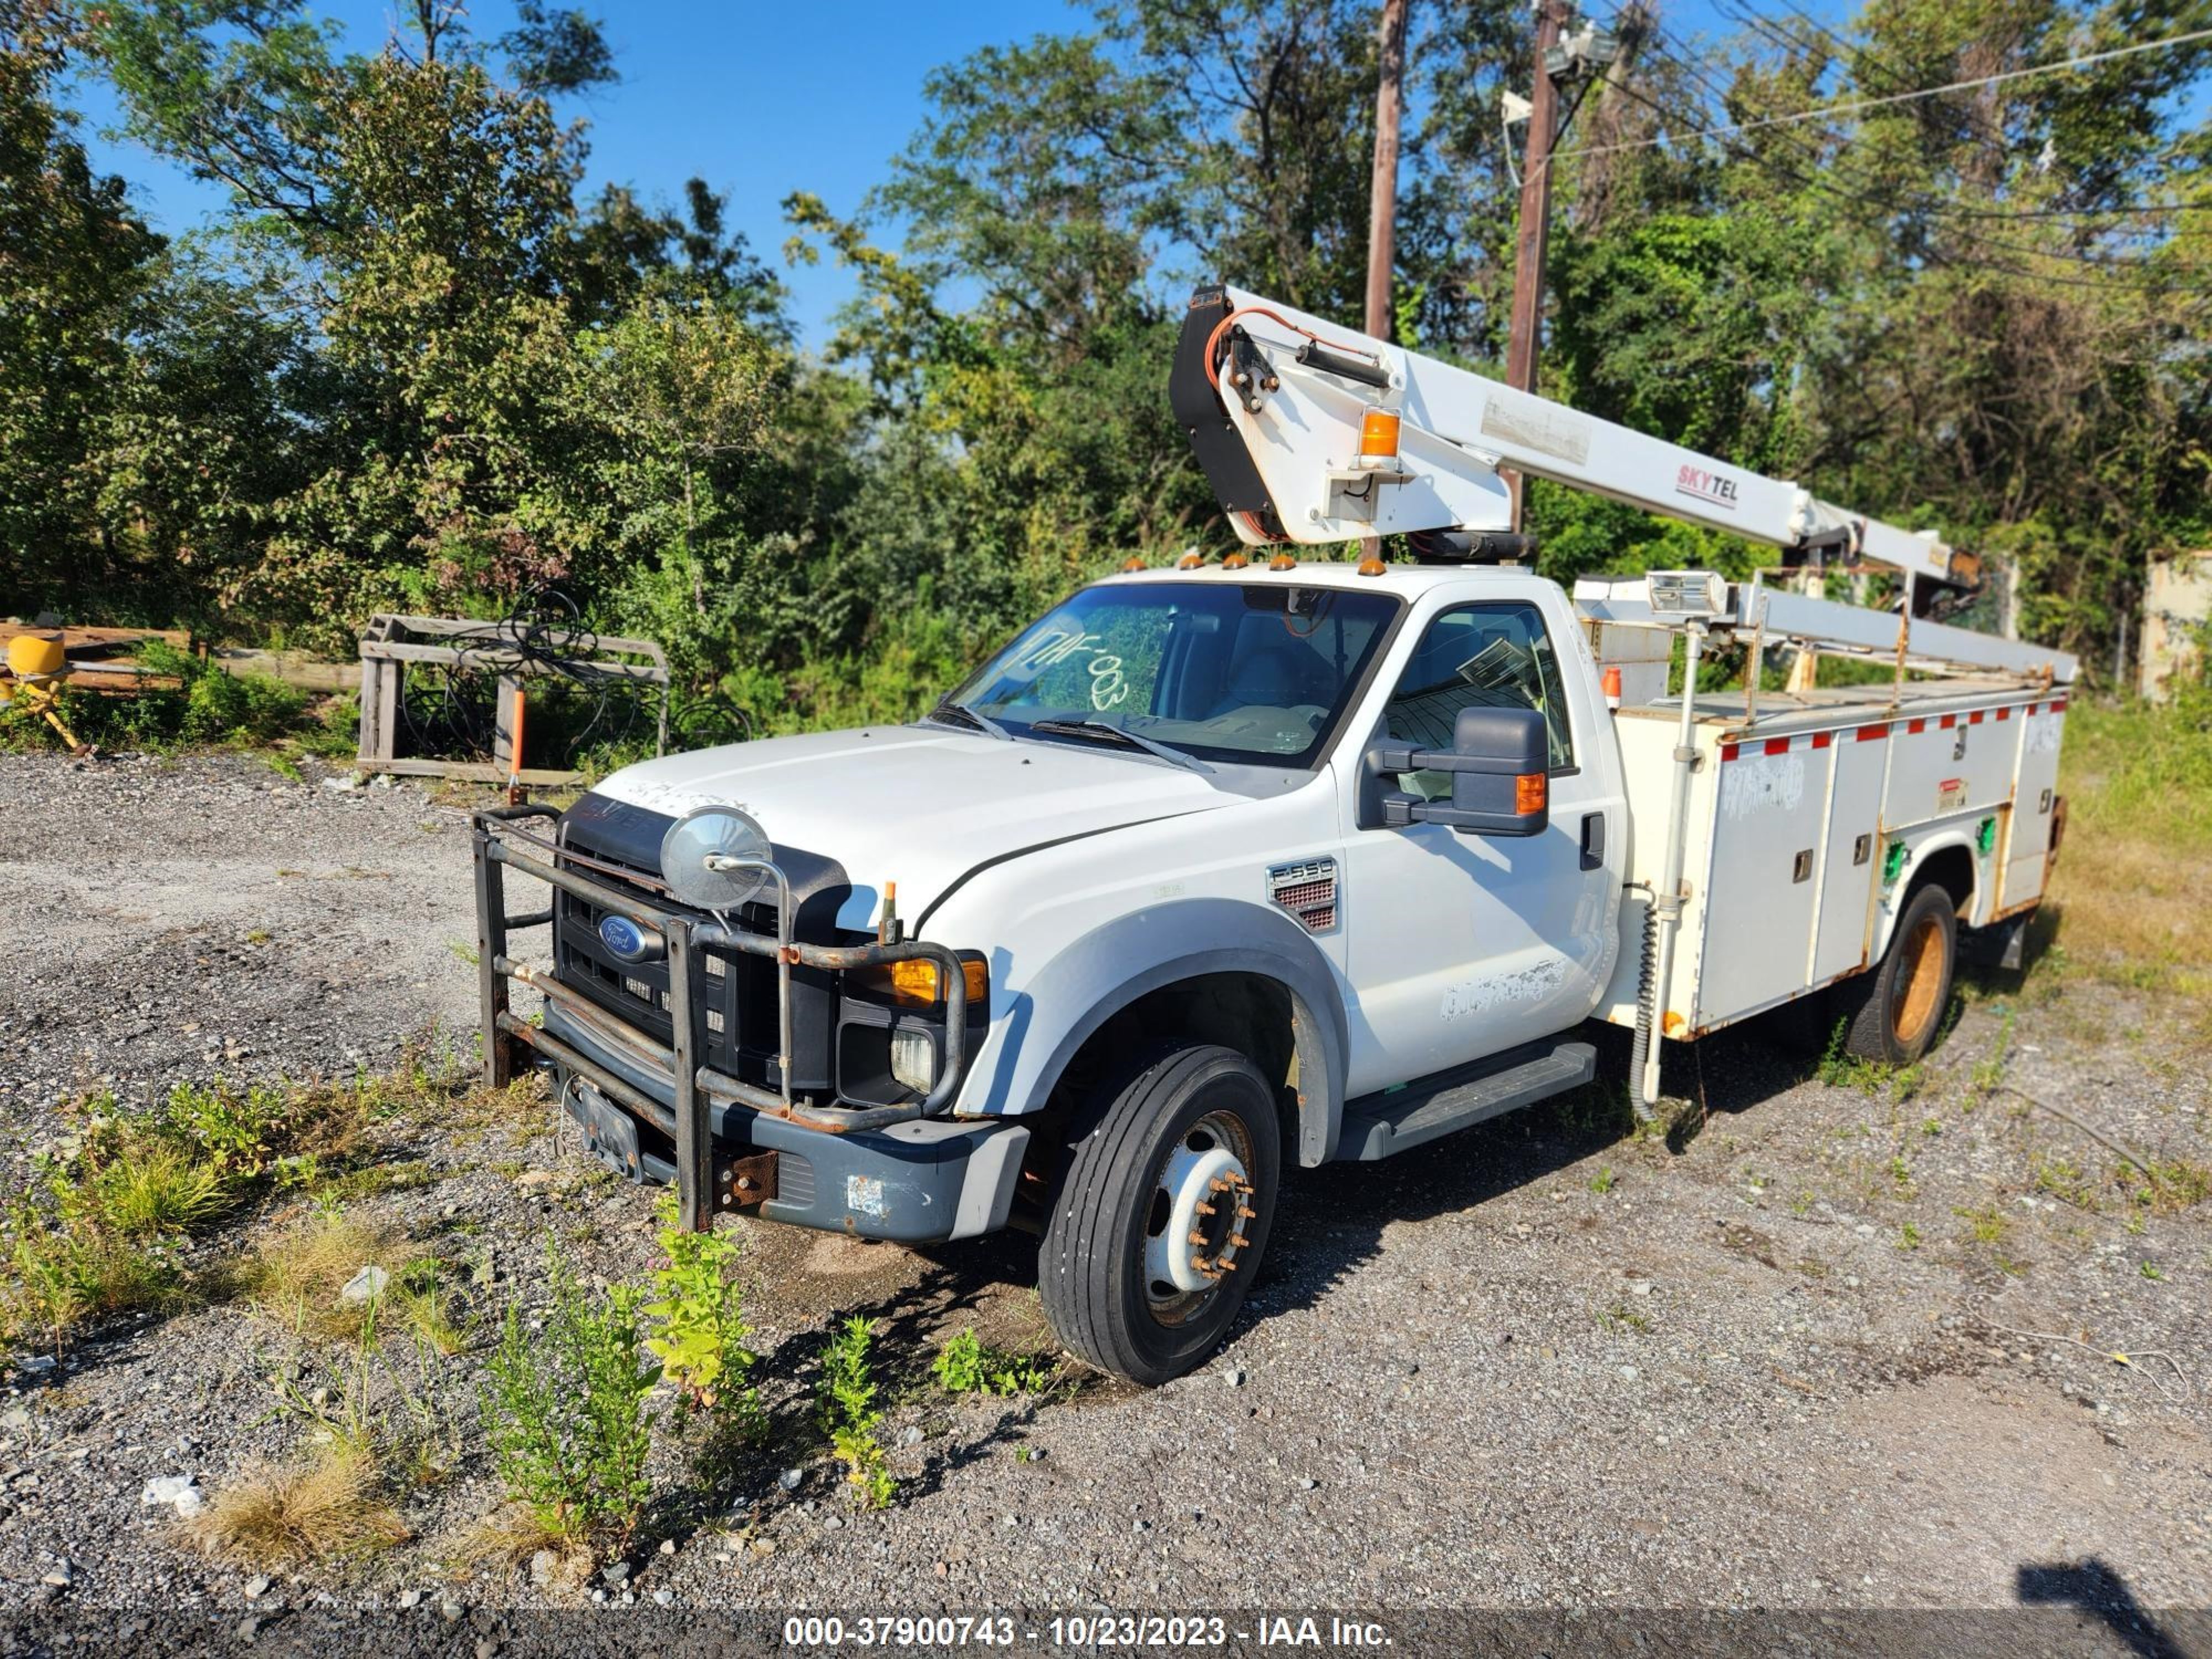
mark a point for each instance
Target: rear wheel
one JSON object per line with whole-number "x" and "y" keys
{"x": 1896, "y": 1010}
{"x": 1163, "y": 1215}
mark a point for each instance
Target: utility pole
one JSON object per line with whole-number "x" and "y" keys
{"x": 1535, "y": 217}
{"x": 1383, "y": 196}
{"x": 1383, "y": 191}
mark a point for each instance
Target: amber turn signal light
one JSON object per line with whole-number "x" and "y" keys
{"x": 913, "y": 983}
{"x": 1530, "y": 791}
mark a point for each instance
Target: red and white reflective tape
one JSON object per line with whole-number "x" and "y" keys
{"x": 1875, "y": 732}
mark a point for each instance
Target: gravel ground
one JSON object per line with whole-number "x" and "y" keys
{"x": 1541, "y": 1367}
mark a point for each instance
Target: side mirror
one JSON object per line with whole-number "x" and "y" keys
{"x": 1500, "y": 768}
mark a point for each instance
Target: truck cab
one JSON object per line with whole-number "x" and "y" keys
{"x": 1175, "y": 817}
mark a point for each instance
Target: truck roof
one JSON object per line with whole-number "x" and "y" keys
{"x": 1400, "y": 576}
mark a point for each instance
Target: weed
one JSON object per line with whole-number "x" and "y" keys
{"x": 844, "y": 1408}
{"x": 258, "y": 936}
{"x": 326, "y": 1508}
{"x": 1901, "y": 1175}
{"x": 161, "y": 1189}
{"x": 1990, "y": 1073}
{"x": 2150, "y": 1270}
{"x": 699, "y": 1324}
{"x": 466, "y": 953}
{"x": 298, "y": 1279}
{"x": 564, "y": 1407}
{"x": 1603, "y": 1182}
{"x": 1932, "y": 1127}
{"x": 965, "y": 1365}
{"x": 1985, "y": 1226}
{"x": 1840, "y": 1069}
{"x": 1621, "y": 1317}
{"x": 2180, "y": 1184}
{"x": 1908, "y": 1237}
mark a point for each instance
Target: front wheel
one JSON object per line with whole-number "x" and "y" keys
{"x": 1162, "y": 1216}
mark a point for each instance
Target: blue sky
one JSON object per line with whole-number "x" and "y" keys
{"x": 758, "y": 99}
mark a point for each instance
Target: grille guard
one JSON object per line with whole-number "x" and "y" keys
{"x": 689, "y": 1124}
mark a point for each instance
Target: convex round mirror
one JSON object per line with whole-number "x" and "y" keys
{"x": 695, "y": 855}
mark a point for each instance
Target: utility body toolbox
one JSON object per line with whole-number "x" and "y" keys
{"x": 1809, "y": 818}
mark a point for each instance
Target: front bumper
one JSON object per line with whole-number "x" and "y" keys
{"x": 885, "y": 1172}
{"x": 917, "y": 1183}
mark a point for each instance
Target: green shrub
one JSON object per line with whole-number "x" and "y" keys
{"x": 965, "y": 1365}
{"x": 845, "y": 1409}
{"x": 699, "y": 1327}
{"x": 564, "y": 1407}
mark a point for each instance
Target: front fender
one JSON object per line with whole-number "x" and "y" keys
{"x": 1093, "y": 979}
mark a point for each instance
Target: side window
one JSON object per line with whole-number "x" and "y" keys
{"x": 1492, "y": 656}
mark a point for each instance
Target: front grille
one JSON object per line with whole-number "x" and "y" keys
{"x": 735, "y": 1022}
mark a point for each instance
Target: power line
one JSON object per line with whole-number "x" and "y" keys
{"x": 1928, "y": 206}
{"x": 1890, "y": 206}
{"x": 1857, "y": 105}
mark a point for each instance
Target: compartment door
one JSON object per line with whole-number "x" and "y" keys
{"x": 2032, "y": 806}
{"x": 1850, "y": 859}
{"x": 1772, "y": 804}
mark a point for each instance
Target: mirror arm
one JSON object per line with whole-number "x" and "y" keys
{"x": 1440, "y": 760}
{"x": 1400, "y": 810}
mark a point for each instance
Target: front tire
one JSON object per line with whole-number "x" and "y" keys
{"x": 1162, "y": 1216}
{"x": 1896, "y": 1010}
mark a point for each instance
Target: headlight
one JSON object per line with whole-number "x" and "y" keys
{"x": 914, "y": 1060}
{"x": 913, "y": 983}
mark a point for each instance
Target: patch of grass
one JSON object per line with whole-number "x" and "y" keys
{"x": 158, "y": 1189}
{"x": 373, "y": 1180}
{"x": 2181, "y": 1184}
{"x": 326, "y": 1507}
{"x": 1989, "y": 1071}
{"x": 845, "y": 1410}
{"x": 2128, "y": 885}
{"x": 299, "y": 1277}
{"x": 1985, "y": 1226}
{"x": 564, "y": 1409}
{"x": 964, "y": 1364}
{"x": 1621, "y": 1317}
{"x": 1841, "y": 1069}
{"x": 1603, "y": 1182}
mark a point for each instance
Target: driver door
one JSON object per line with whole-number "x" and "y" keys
{"x": 1461, "y": 945}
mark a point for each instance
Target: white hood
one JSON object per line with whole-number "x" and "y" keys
{"x": 916, "y": 805}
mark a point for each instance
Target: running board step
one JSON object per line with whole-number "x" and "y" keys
{"x": 1375, "y": 1126}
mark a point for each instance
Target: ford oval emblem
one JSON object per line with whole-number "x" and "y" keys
{"x": 626, "y": 939}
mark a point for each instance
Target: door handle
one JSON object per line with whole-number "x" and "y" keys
{"x": 1593, "y": 841}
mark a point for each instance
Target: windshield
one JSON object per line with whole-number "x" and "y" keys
{"x": 1258, "y": 674}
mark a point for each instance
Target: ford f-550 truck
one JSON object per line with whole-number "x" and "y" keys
{"x": 1259, "y": 861}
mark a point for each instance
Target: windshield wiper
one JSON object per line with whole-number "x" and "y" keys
{"x": 1122, "y": 734}
{"x": 949, "y": 713}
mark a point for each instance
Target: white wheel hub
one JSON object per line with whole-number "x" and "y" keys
{"x": 1208, "y": 1195}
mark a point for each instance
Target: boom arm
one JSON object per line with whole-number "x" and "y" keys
{"x": 1311, "y": 433}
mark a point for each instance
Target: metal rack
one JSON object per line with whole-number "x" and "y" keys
{"x": 705, "y": 1100}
